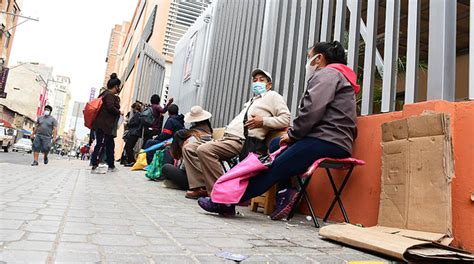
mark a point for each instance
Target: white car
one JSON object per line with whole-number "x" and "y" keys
{"x": 23, "y": 144}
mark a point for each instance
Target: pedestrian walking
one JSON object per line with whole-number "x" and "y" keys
{"x": 44, "y": 134}
{"x": 105, "y": 125}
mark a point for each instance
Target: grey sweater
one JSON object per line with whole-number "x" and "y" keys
{"x": 327, "y": 110}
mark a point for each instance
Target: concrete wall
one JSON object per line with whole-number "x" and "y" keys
{"x": 362, "y": 195}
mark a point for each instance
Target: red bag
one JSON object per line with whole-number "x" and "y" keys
{"x": 91, "y": 110}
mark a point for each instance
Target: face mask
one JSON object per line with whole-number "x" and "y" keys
{"x": 259, "y": 88}
{"x": 47, "y": 113}
{"x": 311, "y": 68}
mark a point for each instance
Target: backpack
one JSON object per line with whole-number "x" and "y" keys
{"x": 147, "y": 117}
{"x": 91, "y": 110}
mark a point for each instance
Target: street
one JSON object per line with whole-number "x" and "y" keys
{"x": 61, "y": 213}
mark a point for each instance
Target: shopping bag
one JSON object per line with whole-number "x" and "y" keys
{"x": 154, "y": 169}
{"x": 231, "y": 186}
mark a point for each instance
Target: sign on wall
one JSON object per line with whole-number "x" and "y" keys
{"x": 188, "y": 62}
{"x": 3, "y": 81}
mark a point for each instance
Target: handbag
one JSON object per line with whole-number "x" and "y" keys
{"x": 231, "y": 186}
{"x": 251, "y": 144}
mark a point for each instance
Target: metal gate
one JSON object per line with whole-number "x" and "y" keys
{"x": 150, "y": 75}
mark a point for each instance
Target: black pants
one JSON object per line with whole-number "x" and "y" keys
{"x": 129, "y": 145}
{"x": 147, "y": 135}
{"x": 176, "y": 175}
{"x": 103, "y": 141}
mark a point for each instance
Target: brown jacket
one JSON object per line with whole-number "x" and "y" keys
{"x": 327, "y": 110}
{"x": 109, "y": 113}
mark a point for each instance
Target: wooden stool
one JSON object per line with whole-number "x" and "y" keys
{"x": 266, "y": 200}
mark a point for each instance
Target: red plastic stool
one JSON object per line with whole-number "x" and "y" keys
{"x": 326, "y": 163}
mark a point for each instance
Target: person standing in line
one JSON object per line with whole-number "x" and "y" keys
{"x": 105, "y": 124}
{"x": 135, "y": 129}
{"x": 44, "y": 134}
{"x": 157, "y": 111}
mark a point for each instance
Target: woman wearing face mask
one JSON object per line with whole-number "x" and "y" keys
{"x": 324, "y": 127}
{"x": 105, "y": 124}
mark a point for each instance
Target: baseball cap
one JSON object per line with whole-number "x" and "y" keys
{"x": 260, "y": 71}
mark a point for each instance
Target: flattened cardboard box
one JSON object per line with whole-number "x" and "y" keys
{"x": 417, "y": 168}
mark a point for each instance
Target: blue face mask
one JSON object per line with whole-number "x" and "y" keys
{"x": 259, "y": 88}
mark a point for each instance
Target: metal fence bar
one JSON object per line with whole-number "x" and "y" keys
{"x": 354, "y": 34}
{"x": 471, "y": 52}
{"x": 340, "y": 21}
{"x": 289, "y": 46}
{"x": 442, "y": 50}
{"x": 315, "y": 22}
{"x": 326, "y": 22}
{"x": 392, "y": 31}
{"x": 413, "y": 51}
{"x": 369, "y": 60}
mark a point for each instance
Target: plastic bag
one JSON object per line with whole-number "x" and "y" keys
{"x": 140, "y": 164}
{"x": 154, "y": 170}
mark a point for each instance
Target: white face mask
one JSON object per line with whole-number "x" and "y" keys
{"x": 311, "y": 68}
{"x": 47, "y": 113}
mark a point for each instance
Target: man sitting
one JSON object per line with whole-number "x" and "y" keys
{"x": 174, "y": 123}
{"x": 265, "y": 111}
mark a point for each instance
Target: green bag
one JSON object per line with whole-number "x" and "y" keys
{"x": 154, "y": 169}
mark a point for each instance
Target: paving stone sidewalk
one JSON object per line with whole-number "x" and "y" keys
{"x": 62, "y": 213}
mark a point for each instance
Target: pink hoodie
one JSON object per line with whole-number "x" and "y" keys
{"x": 348, "y": 73}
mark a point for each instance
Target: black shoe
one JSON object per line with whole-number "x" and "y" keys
{"x": 129, "y": 164}
{"x": 35, "y": 163}
{"x": 46, "y": 160}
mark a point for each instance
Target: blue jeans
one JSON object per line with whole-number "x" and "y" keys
{"x": 103, "y": 141}
{"x": 295, "y": 160}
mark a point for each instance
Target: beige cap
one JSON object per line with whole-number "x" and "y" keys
{"x": 196, "y": 114}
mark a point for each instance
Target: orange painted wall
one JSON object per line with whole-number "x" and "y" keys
{"x": 362, "y": 194}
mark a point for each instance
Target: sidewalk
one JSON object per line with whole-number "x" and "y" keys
{"x": 62, "y": 213}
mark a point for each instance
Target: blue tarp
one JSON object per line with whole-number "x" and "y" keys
{"x": 26, "y": 132}
{"x": 157, "y": 146}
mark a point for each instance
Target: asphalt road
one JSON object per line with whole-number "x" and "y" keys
{"x": 22, "y": 158}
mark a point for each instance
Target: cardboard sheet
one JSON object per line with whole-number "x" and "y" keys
{"x": 417, "y": 168}
{"x": 380, "y": 240}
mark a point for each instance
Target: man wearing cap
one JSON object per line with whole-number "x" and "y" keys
{"x": 264, "y": 112}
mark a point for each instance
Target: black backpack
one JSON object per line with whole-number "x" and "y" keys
{"x": 147, "y": 117}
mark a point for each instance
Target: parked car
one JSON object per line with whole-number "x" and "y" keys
{"x": 23, "y": 144}
{"x": 7, "y": 137}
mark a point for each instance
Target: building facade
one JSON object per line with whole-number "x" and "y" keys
{"x": 8, "y": 24}
{"x": 113, "y": 59}
{"x": 146, "y": 53}
{"x": 27, "y": 89}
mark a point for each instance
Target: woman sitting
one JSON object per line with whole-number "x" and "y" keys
{"x": 325, "y": 127}
{"x": 199, "y": 132}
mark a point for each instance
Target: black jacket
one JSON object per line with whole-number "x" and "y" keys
{"x": 173, "y": 124}
{"x": 134, "y": 125}
{"x": 109, "y": 113}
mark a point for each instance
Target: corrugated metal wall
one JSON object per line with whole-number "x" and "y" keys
{"x": 272, "y": 34}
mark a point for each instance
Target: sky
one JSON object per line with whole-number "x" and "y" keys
{"x": 72, "y": 37}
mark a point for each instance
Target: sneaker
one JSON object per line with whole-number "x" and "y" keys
{"x": 46, "y": 160}
{"x": 211, "y": 207}
{"x": 285, "y": 202}
{"x": 196, "y": 193}
{"x": 97, "y": 170}
{"x": 114, "y": 169}
{"x": 35, "y": 163}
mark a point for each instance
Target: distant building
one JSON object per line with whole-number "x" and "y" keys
{"x": 60, "y": 100}
{"x": 113, "y": 59}
{"x": 27, "y": 89}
